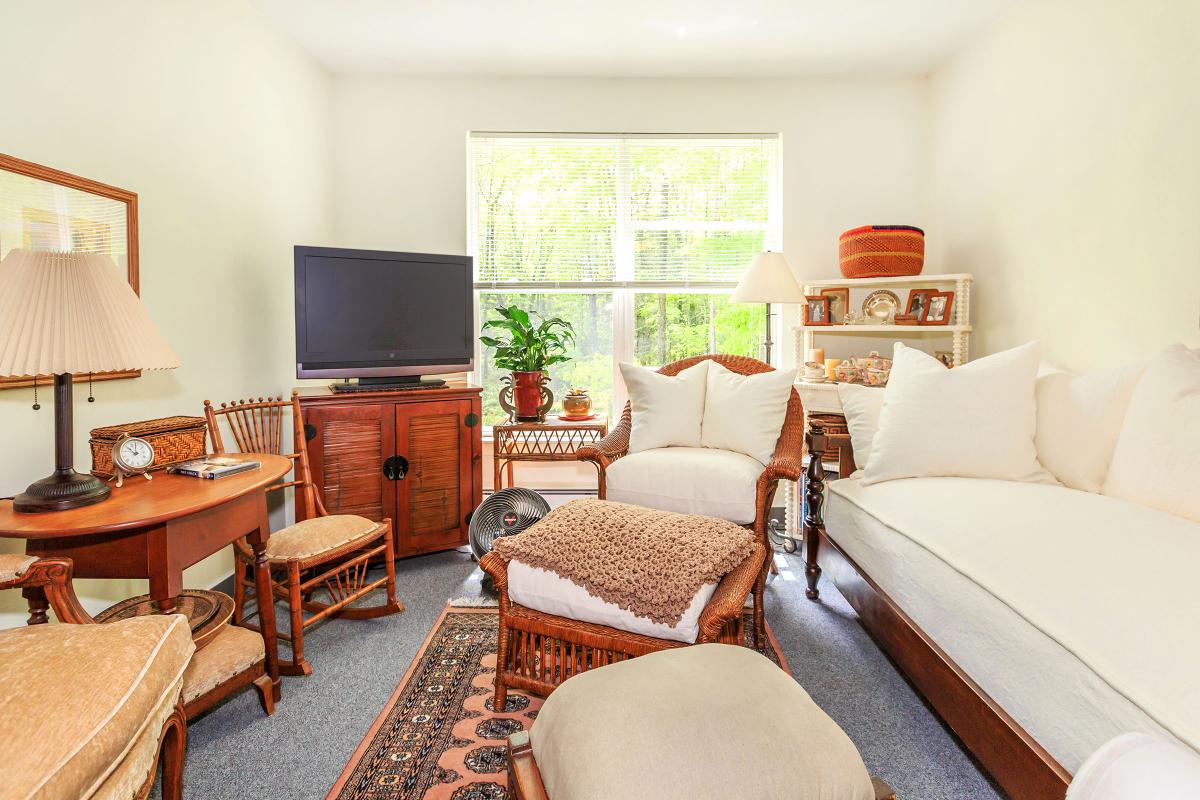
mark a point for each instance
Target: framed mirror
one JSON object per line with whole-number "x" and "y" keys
{"x": 46, "y": 209}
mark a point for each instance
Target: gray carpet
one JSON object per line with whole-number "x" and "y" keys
{"x": 236, "y": 752}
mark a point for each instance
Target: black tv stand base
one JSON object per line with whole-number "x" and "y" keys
{"x": 387, "y": 385}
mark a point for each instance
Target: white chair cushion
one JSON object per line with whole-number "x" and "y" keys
{"x": 745, "y": 413}
{"x": 1157, "y": 460}
{"x": 550, "y": 593}
{"x": 701, "y": 723}
{"x": 666, "y": 409}
{"x": 690, "y": 480}
{"x": 1078, "y": 420}
{"x": 973, "y": 421}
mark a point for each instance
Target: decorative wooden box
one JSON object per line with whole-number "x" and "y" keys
{"x": 174, "y": 439}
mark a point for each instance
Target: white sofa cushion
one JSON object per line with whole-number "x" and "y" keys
{"x": 1060, "y": 559}
{"x": 1136, "y": 766}
{"x": 690, "y": 480}
{"x": 1157, "y": 458}
{"x": 745, "y": 413}
{"x": 1078, "y": 420}
{"x": 861, "y": 406}
{"x": 550, "y": 593}
{"x": 974, "y": 421}
{"x": 666, "y": 409}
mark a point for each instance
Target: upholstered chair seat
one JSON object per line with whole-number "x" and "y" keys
{"x": 84, "y": 705}
{"x": 688, "y": 480}
{"x": 232, "y": 651}
{"x": 312, "y": 537}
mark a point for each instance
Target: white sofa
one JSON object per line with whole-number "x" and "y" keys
{"x": 1072, "y": 612}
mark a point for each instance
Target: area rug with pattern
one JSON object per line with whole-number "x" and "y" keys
{"x": 438, "y": 737}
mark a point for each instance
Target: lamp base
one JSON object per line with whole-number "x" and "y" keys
{"x": 61, "y": 491}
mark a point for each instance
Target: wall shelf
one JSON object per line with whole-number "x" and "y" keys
{"x": 907, "y": 280}
{"x": 901, "y": 331}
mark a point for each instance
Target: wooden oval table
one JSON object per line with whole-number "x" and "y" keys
{"x": 154, "y": 529}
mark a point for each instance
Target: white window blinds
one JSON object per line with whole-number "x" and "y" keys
{"x": 620, "y": 210}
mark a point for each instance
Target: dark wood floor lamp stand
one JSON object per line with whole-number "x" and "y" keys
{"x": 65, "y": 488}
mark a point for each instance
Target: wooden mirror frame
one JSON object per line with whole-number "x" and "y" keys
{"x": 50, "y": 175}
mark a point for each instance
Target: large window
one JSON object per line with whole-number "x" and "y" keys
{"x": 637, "y": 240}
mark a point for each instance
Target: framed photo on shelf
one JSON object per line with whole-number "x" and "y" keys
{"x": 946, "y": 357}
{"x": 918, "y": 303}
{"x": 940, "y": 309}
{"x": 816, "y": 310}
{"x": 839, "y": 301}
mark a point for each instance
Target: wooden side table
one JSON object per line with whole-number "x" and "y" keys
{"x": 553, "y": 440}
{"x": 154, "y": 530}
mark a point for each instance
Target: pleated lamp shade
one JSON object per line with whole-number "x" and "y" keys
{"x": 769, "y": 279}
{"x": 73, "y": 313}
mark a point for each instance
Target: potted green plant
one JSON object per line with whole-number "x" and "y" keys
{"x": 526, "y": 348}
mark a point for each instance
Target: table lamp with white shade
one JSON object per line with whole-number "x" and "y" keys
{"x": 64, "y": 314}
{"x": 768, "y": 280}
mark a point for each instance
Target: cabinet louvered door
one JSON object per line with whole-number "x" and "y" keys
{"x": 434, "y": 496}
{"x": 347, "y": 455}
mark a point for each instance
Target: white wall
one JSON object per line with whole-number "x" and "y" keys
{"x": 1066, "y": 175}
{"x": 220, "y": 129}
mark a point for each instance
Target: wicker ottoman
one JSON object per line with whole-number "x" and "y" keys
{"x": 538, "y": 651}
{"x": 701, "y": 723}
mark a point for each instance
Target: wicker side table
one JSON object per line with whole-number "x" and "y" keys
{"x": 555, "y": 439}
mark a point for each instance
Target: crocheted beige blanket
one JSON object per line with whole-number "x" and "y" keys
{"x": 648, "y": 562}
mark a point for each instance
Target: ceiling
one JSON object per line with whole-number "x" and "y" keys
{"x": 632, "y": 38}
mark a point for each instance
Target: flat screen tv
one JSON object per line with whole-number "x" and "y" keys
{"x": 384, "y": 318}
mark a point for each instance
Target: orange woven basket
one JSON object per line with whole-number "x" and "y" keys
{"x": 174, "y": 439}
{"x": 881, "y": 251}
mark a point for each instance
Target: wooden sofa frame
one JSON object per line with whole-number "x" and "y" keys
{"x": 538, "y": 651}
{"x": 52, "y": 576}
{"x": 1014, "y": 759}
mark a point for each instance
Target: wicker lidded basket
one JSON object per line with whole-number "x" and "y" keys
{"x": 174, "y": 439}
{"x": 881, "y": 251}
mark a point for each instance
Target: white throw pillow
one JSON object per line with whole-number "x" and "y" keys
{"x": 1079, "y": 419}
{"x": 745, "y": 413}
{"x": 667, "y": 409}
{"x": 861, "y": 406}
{"x": 973, "y": 421}
{"x": 1157, "y": 458}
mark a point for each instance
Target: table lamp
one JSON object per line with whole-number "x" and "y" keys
{"x": 65, "y": 314}
{"x": 768, "y": 280}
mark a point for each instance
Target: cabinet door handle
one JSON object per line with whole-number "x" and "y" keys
{"x": 395, "y": 468}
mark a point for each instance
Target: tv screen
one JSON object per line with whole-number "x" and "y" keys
{"x": 376, "y": 314}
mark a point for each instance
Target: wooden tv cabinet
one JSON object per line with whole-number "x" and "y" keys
{"x": 414, "y": 456}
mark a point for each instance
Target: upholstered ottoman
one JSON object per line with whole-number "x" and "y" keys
{"x": 597, "y": 582}
{"x": 697, "y": 723}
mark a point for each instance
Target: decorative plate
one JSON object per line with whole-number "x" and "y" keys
{"x": 881, "y": 305}
{"x": 573, "y": 418}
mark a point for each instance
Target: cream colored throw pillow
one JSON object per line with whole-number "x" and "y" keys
{"x": 861, "y": 406}
{"x": 1079, "y": 419}
{"x": 745, "y": 413}
{"x": 973, "y": 421}
{"x": 1157, "y": 458}
{"x": 667, "y": 410}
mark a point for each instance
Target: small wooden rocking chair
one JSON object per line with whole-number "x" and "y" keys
{"x": 321, "y": 553}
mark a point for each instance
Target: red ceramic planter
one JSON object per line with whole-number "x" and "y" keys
{"x": 527, "y": 393}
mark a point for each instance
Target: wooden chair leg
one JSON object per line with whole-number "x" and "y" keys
{"x": 299, "y": 665}
{"x": 239, "y": 589}
{"x": 266, "y": 693}
{"x": 174, "y": 753}
{"x": 389, "y": 565}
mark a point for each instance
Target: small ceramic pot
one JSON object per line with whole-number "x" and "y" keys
{"x": 814, "y": 371}
{"x": 848, "y": 373}
{"x": 878, "y": 377}
{"x": 577, "y": 405}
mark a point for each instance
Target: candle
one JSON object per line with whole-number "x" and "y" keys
{"x": 831, "y": 365}
{"x": 816, "y": 354}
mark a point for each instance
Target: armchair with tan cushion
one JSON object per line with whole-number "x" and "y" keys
{"x": 701, "y": 480}
{"x": 88, "y": 711}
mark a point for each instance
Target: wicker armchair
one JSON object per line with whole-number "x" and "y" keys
{"x": 785, "y": 464}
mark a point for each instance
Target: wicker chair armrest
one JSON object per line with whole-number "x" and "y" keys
{"x": 730, "y": 596}
{"x": 612, "y": 446}
{"x": 496, "y": 566}
{"x": 53, "y": 577}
